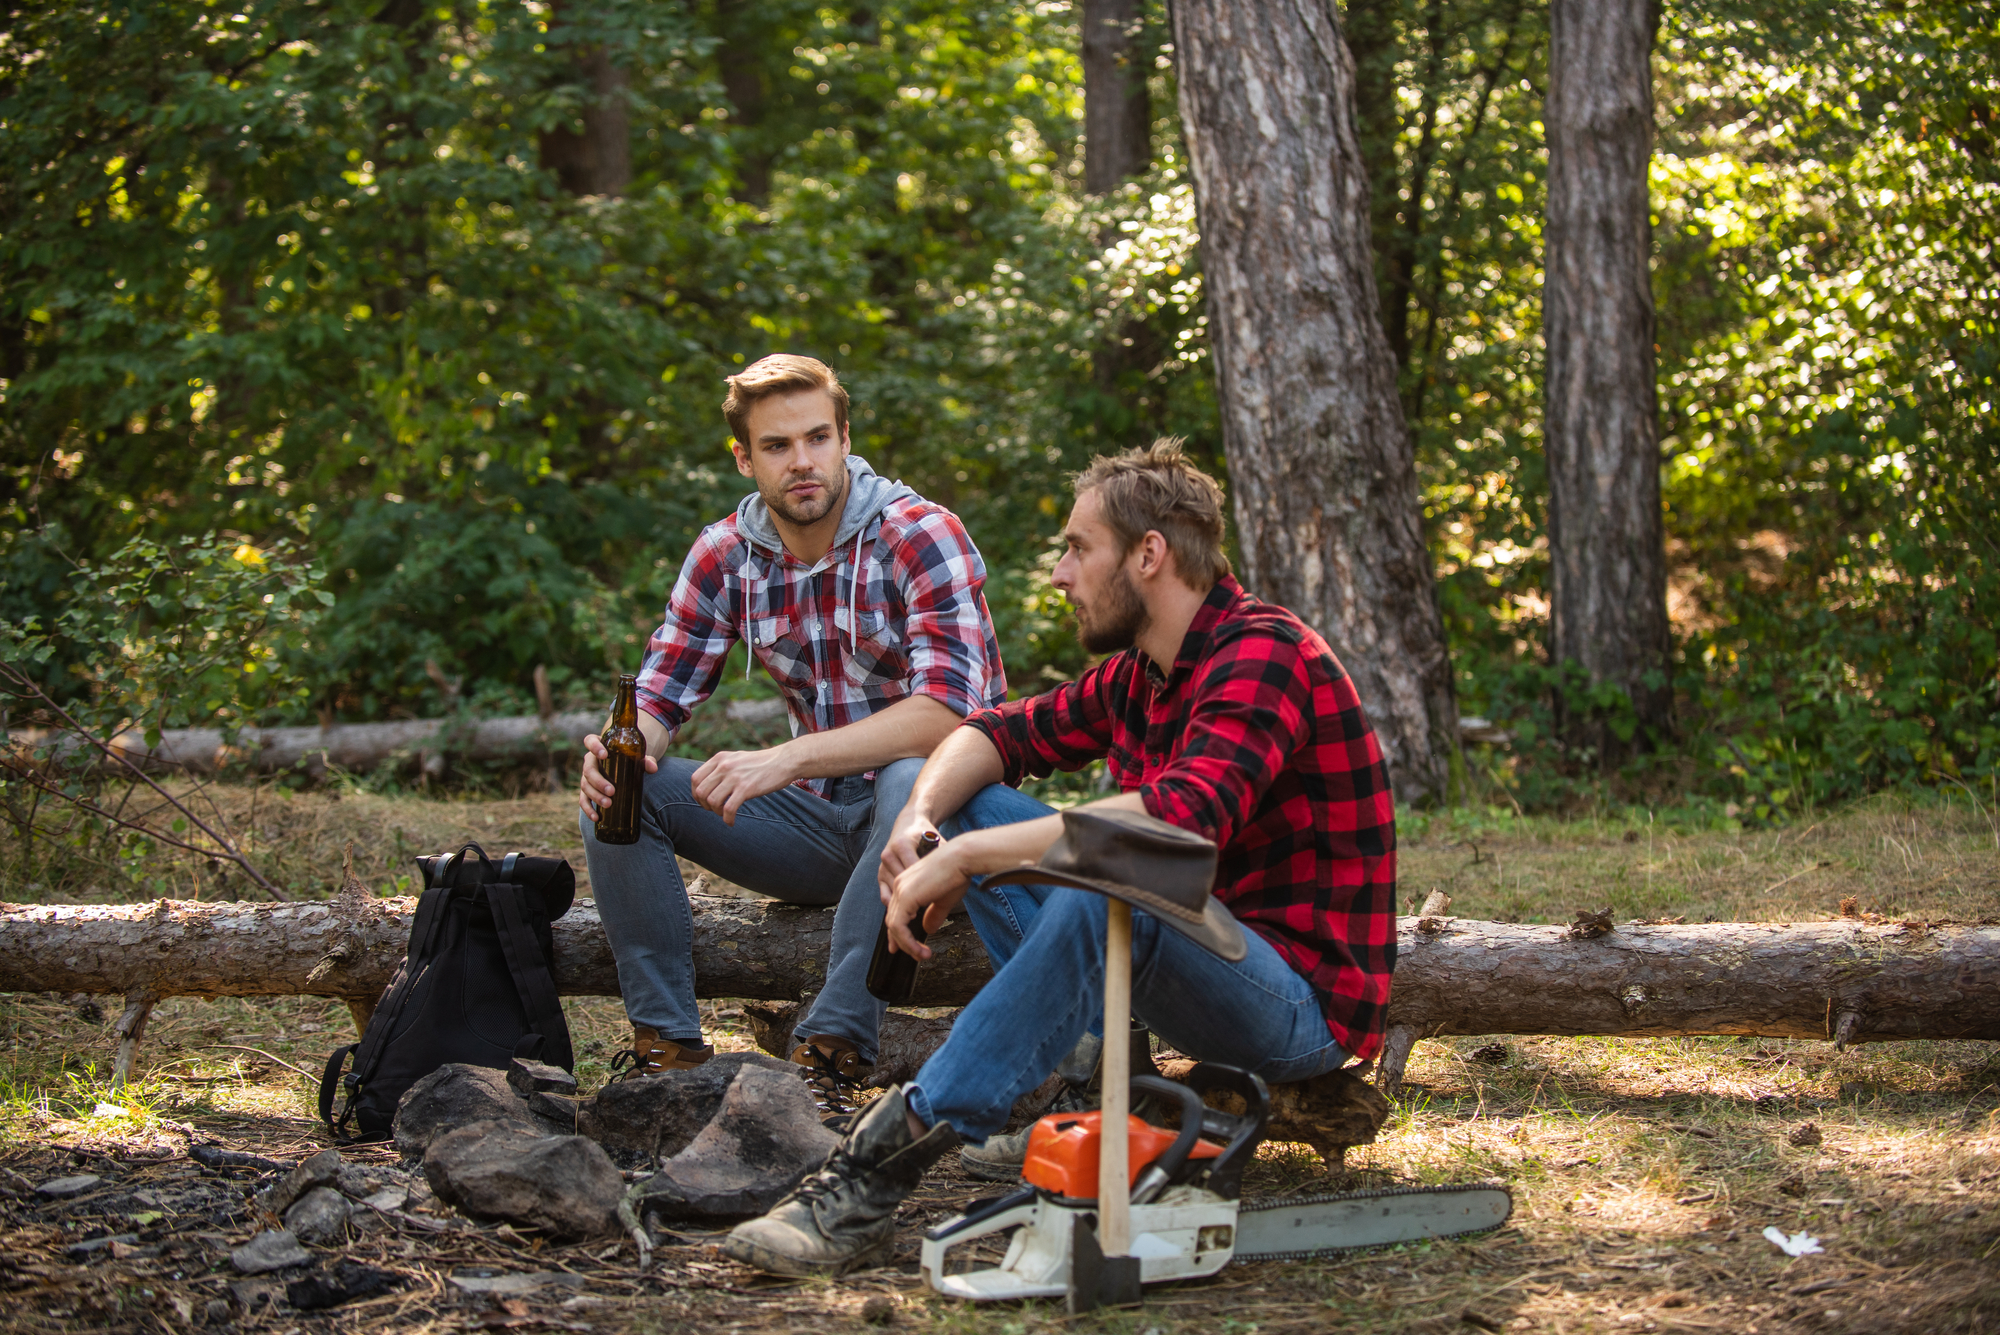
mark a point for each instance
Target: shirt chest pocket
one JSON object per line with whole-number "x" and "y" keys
{"x": 783, "y": 651}
{"x": 876, "y": 654}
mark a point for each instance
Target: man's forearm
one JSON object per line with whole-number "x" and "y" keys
{"x": 1004, "y": 847}
{"x": 908, "y": 729}
{"x": 960, "y": 766}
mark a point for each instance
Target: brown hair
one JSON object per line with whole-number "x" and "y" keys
{"x": 780, "y": 373}
{"x": 1156, "y": 488}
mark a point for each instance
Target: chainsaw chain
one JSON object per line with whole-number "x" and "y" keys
{"x": 1291, "y": 1202}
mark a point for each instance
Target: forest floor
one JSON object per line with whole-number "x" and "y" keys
{"x": 1644, "y": 1171}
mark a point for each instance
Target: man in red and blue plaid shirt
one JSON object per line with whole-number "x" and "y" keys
{"x": 1217, "y": 713}
{"x": 864, "y": 603}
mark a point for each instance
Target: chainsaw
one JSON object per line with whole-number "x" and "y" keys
{"x": 1188, "y": 1220}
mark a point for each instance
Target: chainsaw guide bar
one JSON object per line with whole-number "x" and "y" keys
{"x": 1298, "y": 1228}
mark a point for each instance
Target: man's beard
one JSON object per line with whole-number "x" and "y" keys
{"x": 1117, "y": 620}
{"x": 831, "y": 490}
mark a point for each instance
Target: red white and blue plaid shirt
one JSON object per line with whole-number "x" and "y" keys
{"x": 1257, "y": 741}
{"x": 896, "y": 612}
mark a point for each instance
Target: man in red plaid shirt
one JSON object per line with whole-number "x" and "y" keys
{"x": 1217, "y": 713}
{"x": 864, "y": 602}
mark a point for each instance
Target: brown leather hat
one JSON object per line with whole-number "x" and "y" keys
{"x": 1148, "y": 863}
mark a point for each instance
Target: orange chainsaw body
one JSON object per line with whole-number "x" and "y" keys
{"x": 1062, "y": 1151}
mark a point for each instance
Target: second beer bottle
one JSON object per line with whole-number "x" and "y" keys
{"x": 892, "y": 975}
{"x": 624, "y": 767}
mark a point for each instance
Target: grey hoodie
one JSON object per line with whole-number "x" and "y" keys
{"x": 868, "y": 495}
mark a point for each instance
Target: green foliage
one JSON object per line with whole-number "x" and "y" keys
{"x": 294, "y": 269}
{"x": 170, "y": 634}
{"x": 1824, "y": 185}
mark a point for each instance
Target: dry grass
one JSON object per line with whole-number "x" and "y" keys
{"x": 1644, "y": 1171}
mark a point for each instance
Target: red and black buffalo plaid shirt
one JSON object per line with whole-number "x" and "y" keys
{"x": 1256, "y": 740}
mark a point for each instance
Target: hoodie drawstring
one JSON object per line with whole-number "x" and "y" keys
{"x": 749, "y": 630}
{"x": 854, "y": 597}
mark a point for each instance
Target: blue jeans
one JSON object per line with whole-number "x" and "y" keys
{"x": 1047, "y": 947}
{"x": 790, "y": 845}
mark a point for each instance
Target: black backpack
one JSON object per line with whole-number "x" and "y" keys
{"x": 476, "y": 987}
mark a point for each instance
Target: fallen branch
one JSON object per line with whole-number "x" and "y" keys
{"x": 225, "y": 848}
{"x": 1846, "y": 979}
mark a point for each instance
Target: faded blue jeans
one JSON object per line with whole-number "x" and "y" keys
{"x": 1047, "y": 947}
{"x": 790, "y": 845}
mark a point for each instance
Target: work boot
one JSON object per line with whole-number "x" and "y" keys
{"x": 1082, "y": 1072}
{"x": 844, "y": 1216}
{"x": 650, "y": 1054}
{"x": 833, "y": 1069}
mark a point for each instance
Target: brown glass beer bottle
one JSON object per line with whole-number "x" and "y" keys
{"x": 624, "y": 765}
{"x": 892, "y": 975}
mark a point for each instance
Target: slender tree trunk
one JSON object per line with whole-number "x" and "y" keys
{"x": 599, "y": 160}
{"x": 1601, "y": 431}
{"x": 1117, "y": 117}
{"x": 1327, "y": 513}
{"x": 739, "y": 59}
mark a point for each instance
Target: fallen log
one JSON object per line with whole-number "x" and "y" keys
{"x": 1844, "y": 980}
{"x": 359, "y": 746}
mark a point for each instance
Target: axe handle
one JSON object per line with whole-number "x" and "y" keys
{"x": 1114, "y": 1177}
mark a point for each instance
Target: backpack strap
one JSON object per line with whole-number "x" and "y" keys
{"x": 431, "y": 906}
{"x": 330, "y": 1080}
{"x": 531, "y": 974}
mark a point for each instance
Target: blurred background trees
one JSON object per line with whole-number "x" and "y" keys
{"x": 443, "y": 293}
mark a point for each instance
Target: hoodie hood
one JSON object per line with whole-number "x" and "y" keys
{"x": 868, "y": 495}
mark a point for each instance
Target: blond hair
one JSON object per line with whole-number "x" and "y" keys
{"x": 780, "y": 373}
{"x": 1154, "y": 488}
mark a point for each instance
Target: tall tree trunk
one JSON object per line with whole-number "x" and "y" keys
{"x": 745, "y": 31}
{"x": 1327, "y": 514}
{"x": 1117, "y": 117}
{"x": 1601, "y": 430}
{"x": 599, "y": 160}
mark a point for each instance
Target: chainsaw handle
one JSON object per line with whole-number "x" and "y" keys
{"x": 1171, "y": 1166}
{"x": 1225, "y": 1172}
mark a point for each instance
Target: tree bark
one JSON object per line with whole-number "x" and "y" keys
{"x": 1117, "y": 114}
{"x": 1453, "y": 976}
{"x": 597, "y": 161}
{"x": 1327, "y": 512}
{"x": 1608, "y": 574}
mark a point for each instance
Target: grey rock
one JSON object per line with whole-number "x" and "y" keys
{"x": 764, "y": 1138}
{"x": 659, "y": 1115}
{"x": 319, "y": 1217}
{"x": 77, "y": 1251}
{"x": 389, "y": 1198}
{"x": 526, "y": 1077}
{"x": 216, "y": 1309}
{"x": 513, "y": 1286}
{"x": 315, "y": 1171}
{"x": 455, "y": 1095}
{"x": 565, "y": 1113}
{"x": 500, "y": 1170}
{"x": 360, "y": 1181}
{"x": 63, "y": 1188}
{"x": 271, "y": 1250}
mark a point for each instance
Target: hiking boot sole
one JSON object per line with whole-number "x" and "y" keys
{"x": 778, "y": 1263}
